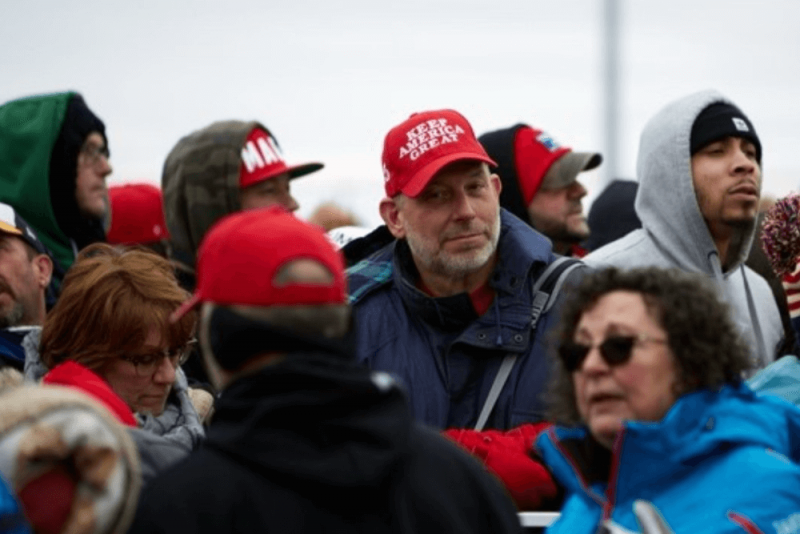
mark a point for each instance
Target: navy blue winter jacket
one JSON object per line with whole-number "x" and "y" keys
{"x": 440, "y": 350}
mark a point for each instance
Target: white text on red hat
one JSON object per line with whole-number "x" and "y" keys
{"x": 428, "y": 135}
{"x": 262, "y": 153}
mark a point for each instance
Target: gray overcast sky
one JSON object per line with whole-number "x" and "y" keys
{"x": 330, "y": 78}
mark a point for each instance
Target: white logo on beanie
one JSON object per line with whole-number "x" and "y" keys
{"x": 386, "y": 175}
{"x": 740, "y": 124}
{"x": 428, "y": 135}
{"x": 260, "y": 154}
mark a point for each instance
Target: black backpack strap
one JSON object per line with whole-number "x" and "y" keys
{"x": 545, "y": 289}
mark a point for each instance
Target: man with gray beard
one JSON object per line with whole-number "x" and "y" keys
{"x": 445, "y": 294}
{"x": 25, "y": 271}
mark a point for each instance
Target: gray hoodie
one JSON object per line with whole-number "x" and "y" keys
{"x": 674, "y": 233}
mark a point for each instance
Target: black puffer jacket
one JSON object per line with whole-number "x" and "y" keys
{"x": 316, "y": 444}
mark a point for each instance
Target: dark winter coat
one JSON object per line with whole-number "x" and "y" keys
{"x": 444, "y": 354}
{"x": 316, "y": 444}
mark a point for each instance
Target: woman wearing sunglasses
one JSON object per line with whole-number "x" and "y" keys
{"x": 112, "y": 318}
{"x": 649, "y": 396}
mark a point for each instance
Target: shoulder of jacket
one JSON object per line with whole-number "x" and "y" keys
{"x": 370, "y": 274}
{"x": 627, "y": 249}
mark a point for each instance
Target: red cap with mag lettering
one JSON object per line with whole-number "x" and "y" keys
{"x": 418, "y": 148}
{"x": 262, "y": 159}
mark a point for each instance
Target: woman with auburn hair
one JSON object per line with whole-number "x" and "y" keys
{"x": 113, "y": 318}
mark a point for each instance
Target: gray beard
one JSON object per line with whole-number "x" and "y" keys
{"x": 13, "y": 317}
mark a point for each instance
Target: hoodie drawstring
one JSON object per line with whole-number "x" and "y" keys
{"x": 751, "y": 307}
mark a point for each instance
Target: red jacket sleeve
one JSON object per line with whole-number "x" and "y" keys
{"x": 506, "y": 454}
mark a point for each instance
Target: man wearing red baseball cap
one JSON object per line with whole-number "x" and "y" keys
{"x": 303, "y": 438}
{"x": 223, "y": 168}
{"x": 454, "y": 304}
{"x": 540, "y": 183}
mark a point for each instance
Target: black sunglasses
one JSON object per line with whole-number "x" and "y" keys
{"x": 615, "y": 350}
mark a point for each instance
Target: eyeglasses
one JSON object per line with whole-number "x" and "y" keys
{"x": 146, "y": 364}
{"x": 615, "y": 350}
{"x": 93, "y": 153}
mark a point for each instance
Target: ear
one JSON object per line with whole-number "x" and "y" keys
{"x": 390, "y": 213}
{"x": 43, "y": 269}
{"x": 497, "y": 184}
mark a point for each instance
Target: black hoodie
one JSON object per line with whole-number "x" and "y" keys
{"x": 317, "y": 444}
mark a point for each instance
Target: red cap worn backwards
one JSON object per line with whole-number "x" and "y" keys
{"x": 262, "y": 159}
{"x": 418, "y": 148}
{"x": 241, "y": 255}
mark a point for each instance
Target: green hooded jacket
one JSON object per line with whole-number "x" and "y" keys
{"x": 32, "y": 146}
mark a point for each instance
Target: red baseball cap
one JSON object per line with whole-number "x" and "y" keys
{"x": 262, "y": 159}
{"x": 241, "y": 255}
{"x": 137, "y": 215}
{"x": 542, "y": 163}
{"x": 415, "y": 150}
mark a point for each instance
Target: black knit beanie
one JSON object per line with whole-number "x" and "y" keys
{"x": 721, "y": 120}
{"x": 79, "y": 122}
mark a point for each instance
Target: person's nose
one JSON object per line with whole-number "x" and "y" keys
{"x": 289, "y": 202}
{"x": 576, "y": 190}
{"x": 165, "y": 372}
{"x": 105, "y": 167}
{"x": 464, "y": 208}
{"x": 742, "y": 163}
{"x": 594, "y": 364}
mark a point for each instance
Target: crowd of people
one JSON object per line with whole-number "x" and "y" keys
{"x": 196, "y": 358}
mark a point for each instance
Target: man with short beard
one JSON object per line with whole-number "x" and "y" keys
{"x": 540, "y": 183}
{"x": 25, "y": 271}
{"x": 444, "y": 293}
{"x": 699, "y": 171}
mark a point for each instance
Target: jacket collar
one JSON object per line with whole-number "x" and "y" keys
{"x": 520, "y": 249}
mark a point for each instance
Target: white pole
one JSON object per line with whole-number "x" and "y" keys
{"x": 611, "y": 91}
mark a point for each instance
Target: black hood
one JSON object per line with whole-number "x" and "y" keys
{"x": 612, "y": 214}
{"x": 314, "y": 423}
{"x": 79, "y": 122}
{"x": 500, "y": 147}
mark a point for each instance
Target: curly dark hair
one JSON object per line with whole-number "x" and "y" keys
{"x": 708, "y": 349}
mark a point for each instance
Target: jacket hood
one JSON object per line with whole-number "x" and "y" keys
{"x": 612, "y": 215}
{"x": 500, "y": 147}
{"x": 666, "y": 202}
{"x": 33, "y": 146}
{"x": 313, "y": 420}
{"x": 200, "y": 182}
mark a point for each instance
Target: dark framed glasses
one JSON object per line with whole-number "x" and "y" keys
{"x": 146, "y": 364}
{"x": 615, "y": 350}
